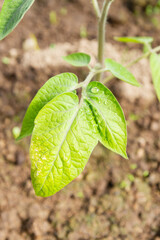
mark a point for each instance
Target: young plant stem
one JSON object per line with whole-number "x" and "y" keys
{"x": 101, "y": 34}
{"x": 89, "y": 78}
{"x": 146, "y": 55}
{"x": 84, "y": 84}
{"x": 96, "y": 8}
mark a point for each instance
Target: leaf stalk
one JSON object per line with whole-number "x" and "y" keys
{"x": 89, "y": 78}
{"x": 96, "y": 8}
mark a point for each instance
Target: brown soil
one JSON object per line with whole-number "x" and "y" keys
{"x": 112, "y": 199}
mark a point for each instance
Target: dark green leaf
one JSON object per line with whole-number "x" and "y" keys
{"x": 11, "y": 13}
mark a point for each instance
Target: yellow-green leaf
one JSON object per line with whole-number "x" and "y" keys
{"x": 78, "y": 59}
{"x": 54, "y": 86}
{"x": 121, "y": 72}
{"x": 62, "y": 141}
{"x": 155, "y": 69}
{"x": 108, "y": 116}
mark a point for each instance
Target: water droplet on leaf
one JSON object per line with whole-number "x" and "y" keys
{"x": 95, "y": 90}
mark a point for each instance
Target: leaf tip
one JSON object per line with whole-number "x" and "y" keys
{"x": 18, "y": 139}
{"x": 125, "y": 155}
{"x": 116, "y": 38}
{"x": 138, "y": 84}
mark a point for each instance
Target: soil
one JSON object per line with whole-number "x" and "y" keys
{"x": 113, "y": 199}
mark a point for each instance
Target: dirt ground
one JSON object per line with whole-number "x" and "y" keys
{"x": 113, "y": 199}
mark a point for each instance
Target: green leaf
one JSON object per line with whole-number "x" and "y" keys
{"x": 141, "y": 40}
{"x": 78, "y": 59}
{"x": 11, "y": 13}
{"x": 54, "y": 86}
{"x": 120, "y": 72}
{"x": 109, "y": 117}
{"x": 62, "y": 141}
{"x": 155, "y": 69}
{"x": 66, "y": 132}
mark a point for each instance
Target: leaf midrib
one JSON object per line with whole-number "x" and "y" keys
{"x": 68, "y": 129}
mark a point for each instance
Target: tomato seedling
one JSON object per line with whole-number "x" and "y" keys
{"x": 64, "y": 128}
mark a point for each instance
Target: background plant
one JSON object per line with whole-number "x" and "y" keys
{"x": 64, "y": 128}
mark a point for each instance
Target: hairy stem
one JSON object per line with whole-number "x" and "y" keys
{"x": 96, "y": 8}
{"x": 146, "y": 55}
{"x": 101, "y": 34}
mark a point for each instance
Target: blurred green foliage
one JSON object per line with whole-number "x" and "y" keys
{"x": 153, "y": 9}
